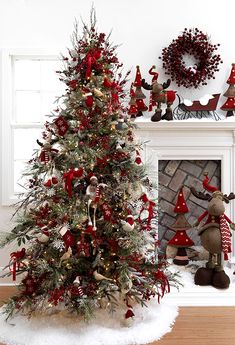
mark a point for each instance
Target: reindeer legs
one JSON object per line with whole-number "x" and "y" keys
{"x": 210, "y": 263}
{"x": 88, "y": 211}
{"x": 219, "y": 266}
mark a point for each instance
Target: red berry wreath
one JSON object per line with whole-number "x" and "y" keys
{"x": 192, "y": 42}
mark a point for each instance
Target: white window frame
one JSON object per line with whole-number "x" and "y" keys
{"x": 7, "y": 124}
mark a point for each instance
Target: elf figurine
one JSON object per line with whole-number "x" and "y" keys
{"x": 93, "y": 196}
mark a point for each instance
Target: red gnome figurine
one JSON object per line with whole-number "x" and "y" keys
{"x": 215, "y": 236}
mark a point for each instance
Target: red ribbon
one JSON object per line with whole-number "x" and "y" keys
{"x": 15, "y": 258}
{"x": 91, "y": 58}
{"x": 69, "y": 176}
{"x": 163, "y": 280}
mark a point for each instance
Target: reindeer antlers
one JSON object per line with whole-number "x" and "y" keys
{"x": 229, "y": 197}
{"x": 201, "y": 195}
{"x": 146, "y": 86}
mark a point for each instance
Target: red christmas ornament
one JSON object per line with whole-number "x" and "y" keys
{"x": 138, "y": 159}
{"x": 89, "y": 101}
{"x": 73, "y": 84}
{"x": 107, "y": 83}
{"x": 107, "y": 211}
{"x": 62, "y": 125}
{"x": 68, "y": 178}
{"x": 67, "y": 236}
{"x": 30, "y": 284}
{"x": 181, "y": 206}
{"x": 129, "y": 314}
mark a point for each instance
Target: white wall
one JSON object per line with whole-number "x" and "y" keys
{"x": 142, "y": 28}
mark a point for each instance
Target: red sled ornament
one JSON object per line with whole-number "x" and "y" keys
{"x": 62, "y": 125}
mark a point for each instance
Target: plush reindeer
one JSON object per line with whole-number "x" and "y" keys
{"x": 159, "y": 95}
{"x": 215, "y": 236}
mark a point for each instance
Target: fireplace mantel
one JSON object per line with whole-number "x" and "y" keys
{"x": 184, "y": 125}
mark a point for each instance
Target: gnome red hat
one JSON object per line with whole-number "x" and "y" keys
{"x": 155, "y": 74}
{"x": 181, "y": 206}
{"x": 231, "y": 79}
{"x": 138, "y": 78}
{"x": 208, "y": 187}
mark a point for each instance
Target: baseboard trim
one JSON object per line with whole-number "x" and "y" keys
{"x": 202, "y": 298}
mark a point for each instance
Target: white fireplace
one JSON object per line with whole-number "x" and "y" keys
{"x": 194, "y": 140}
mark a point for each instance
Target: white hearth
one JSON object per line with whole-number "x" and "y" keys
{"x": 193, "y": 140}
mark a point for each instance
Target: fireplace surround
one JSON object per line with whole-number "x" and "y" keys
{"x": 193, "y": 140}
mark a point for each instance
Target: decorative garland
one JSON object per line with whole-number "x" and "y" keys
{"x": 196, "y": 43}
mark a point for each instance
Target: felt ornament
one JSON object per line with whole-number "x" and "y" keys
{"x": 30, "y": 285}
{"x": 129, "y": 223}
{"x": 51, "y": 179}
{"x": 89, "y": 100}
{"x": 68, "y": 238}
{"x": 62, "y": 125}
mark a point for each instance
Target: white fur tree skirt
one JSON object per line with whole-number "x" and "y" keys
{"x": 149, "y": 324}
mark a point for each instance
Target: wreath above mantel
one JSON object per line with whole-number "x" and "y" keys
{"x": 197, "y": 44}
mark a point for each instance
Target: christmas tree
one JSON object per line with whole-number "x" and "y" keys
{"x": 85, "y": 227}
{"x": 229, "y": 105}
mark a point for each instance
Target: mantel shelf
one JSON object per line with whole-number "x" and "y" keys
{"x": 202, "y": 125}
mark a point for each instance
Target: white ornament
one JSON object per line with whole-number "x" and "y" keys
{"x": 43, "y": 238}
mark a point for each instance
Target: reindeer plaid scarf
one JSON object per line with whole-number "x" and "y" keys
{"x": 225, "y": 236}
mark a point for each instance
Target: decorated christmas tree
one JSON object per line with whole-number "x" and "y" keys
{"x": 180, "y": 240}
{"x": 84, "y": 229}
{"x": 229, "y": 105}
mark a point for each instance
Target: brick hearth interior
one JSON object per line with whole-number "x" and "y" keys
{"x": 172, "y": 174}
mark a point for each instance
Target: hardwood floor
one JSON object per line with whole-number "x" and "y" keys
{"x": 194, "y": 325}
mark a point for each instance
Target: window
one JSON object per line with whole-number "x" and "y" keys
{"x": 31, "y": 87}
